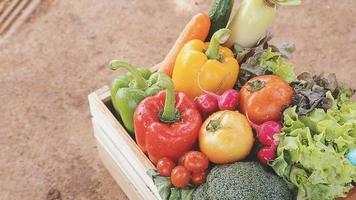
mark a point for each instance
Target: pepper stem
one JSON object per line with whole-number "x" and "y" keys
{"x": 169, "y": 114}
{"x": 140, "y": 82}
{"x": 219, "y": 37}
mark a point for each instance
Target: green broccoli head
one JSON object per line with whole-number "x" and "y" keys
{"x": 200, "y": 193}
{"x": 243, "y": 181}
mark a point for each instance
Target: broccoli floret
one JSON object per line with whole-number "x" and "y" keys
{"x": 200, "y": 193}
{"x": 243, "y": 181}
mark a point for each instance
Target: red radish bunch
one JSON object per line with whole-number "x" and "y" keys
{"x": 265, "y": 135}
{"x": 210, "y": 102}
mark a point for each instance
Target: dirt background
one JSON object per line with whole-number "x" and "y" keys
{"x": 61, "y": 54}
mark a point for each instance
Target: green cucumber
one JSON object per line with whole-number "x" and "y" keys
{"x": 219, "y": 14}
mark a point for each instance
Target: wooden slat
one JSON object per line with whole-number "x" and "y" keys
{"x": 121, "y": 145}
{"x": 116, "y": 173}
{"x": 7, "y": 12}
{"x": 103, "y": 115}
{"x": 3, "y": 5}
{"x": 115, "y": 167}
{"x": 13, "y": 13}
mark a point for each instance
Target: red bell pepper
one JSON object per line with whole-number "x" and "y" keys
{"x": 167, "y": 124}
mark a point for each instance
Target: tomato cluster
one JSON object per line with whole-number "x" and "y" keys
{"x": 192, "y": 166}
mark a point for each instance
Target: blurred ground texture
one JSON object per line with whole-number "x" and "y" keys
{"x": 60, "y": 55}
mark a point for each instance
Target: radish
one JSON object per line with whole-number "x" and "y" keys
{"x": 252, "y": 20}
{"x": 229, "y": 100}
{"x": 210, "y": 102}
{"x": 266, "y": 132}
{"x": 265, "y": 135}
{"x": 266, "y": 154}
{"x": 206, "y": 103}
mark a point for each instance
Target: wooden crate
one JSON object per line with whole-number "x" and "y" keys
{"x": 119, "y": 152}
{"x": 121, "y": 155}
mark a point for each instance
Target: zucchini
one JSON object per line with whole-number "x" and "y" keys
{"x": 219, "y": 14}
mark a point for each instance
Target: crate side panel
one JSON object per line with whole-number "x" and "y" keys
{"x": 123, "y": 163}
{"x": 117, "y": 174}
{"x": 120, "y": 139}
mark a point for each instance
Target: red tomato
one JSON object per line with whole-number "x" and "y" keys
{"x": 196, "y": 161}
{"x": 165, "y": 166}
{"x": 180, "y": 177}
{"x": 199, "y": 178}
{"x": 263, "y": 98}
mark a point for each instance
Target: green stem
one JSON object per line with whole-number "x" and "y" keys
{"x": 256, "y": 85}
{"x": 169, "y": 114}
{"x": 272, "y": 3}
{"x": 219, "y": 37}
{"x": 215, "y": 124}
{"x": 140, "y": 82}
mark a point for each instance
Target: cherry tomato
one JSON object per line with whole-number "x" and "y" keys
{"x": 182, "y": 159}
{"x": 263, "y": 98}
{"x": 199, "y": 178}
{"x": 266, "y": 154}
{"x": 165, "y": 166}
{"x": 196, "y": 161}
{"x": 180, "y": 177}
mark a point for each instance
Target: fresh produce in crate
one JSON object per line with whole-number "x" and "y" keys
{"x": 304, "y": 126}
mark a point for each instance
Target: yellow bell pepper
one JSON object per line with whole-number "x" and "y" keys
{"x": 203, "y": 66}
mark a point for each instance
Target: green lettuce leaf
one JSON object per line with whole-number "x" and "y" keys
{"x": 279, "y": 66}
{"x": 167, "y": 191}
{"x": 311, "y": 155}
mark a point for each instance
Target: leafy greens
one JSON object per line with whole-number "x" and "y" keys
{"x": 310, "y": 92}
{"x": 311, "y": 155}
{"x": 265, "y": 59}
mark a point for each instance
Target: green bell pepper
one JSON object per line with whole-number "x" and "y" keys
{"x": 127, "y": 91}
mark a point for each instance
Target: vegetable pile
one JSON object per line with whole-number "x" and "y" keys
{"x": 224, "y": 116}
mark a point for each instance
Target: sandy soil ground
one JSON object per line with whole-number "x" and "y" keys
{"x": 60, "y": 55}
